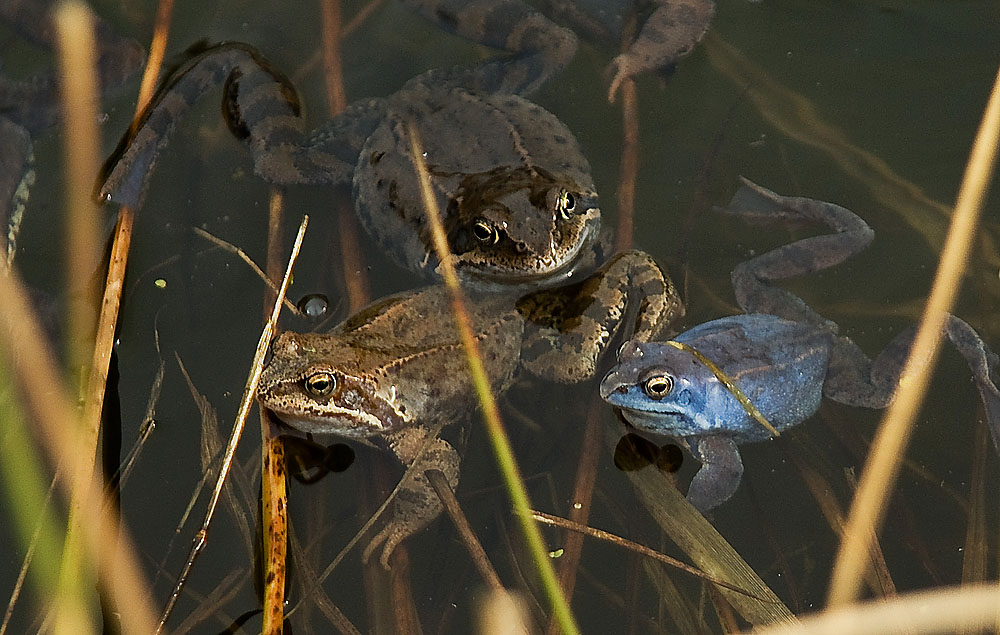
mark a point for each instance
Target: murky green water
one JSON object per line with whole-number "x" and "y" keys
{"x": 872, "y": 106}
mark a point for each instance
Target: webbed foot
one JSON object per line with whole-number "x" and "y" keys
{"x": 670, "y": 32}
{"x": 416, "y": 503}
{"x": 720, "y": 473}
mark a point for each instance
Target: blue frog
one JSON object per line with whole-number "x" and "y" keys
{"x": 781, "y": 355}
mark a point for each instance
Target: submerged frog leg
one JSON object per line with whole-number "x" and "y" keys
{"x": 855, "y": 380}
{"x": 669, "y": 33}
{"x": 567, "y": 328}
{"x": 720, "y": 473}
{"x": 752, "y": 279}
{"x": 261, "y": 105}
{"x": 416, "y": 503}
{"x": 541, "y": 46}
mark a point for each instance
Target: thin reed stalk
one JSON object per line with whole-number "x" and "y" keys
{"x": 889, "y": 445}
{"x": 491, "y": 415}
{"x": 74, "y": 26}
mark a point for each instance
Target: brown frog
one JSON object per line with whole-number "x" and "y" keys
{"x": 518, "y": 201}
{"x": 395, "y": 373}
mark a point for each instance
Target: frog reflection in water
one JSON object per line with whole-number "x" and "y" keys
{"x": 781, "y": 354}
{"x": 515, "y": 190}
{"x": 396, "y": 371}
{"x": 665, "y": 30}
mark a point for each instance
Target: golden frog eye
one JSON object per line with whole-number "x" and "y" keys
{"x": 658, "y": 387}
{"x": 567, "y": 204}
{"x": 485, "y": 232}
{"x": 320, "y": 384}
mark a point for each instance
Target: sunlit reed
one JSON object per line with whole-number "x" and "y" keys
{"x": 889, "y": 445}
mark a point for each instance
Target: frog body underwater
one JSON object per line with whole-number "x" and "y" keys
{"x": 515, "y": 191}
{"x": 395, "y": 373}
{"x": 546, "y": 36}
{"x": 781, "y": 354}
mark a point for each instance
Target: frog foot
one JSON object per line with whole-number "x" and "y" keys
{"x": 720, "y": 473}
{"x": 669, "y": 34}
{"x": 416, "y": 503}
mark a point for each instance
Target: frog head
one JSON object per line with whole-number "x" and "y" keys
{"x": 315, "y": 384}
{"x": 521, "y": 225}
{"x": 661, "y": 389}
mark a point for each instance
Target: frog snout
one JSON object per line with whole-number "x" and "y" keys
{"x": 612, "y": 384}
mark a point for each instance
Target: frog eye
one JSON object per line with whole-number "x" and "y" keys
{"x": 567, "y": 204}
{"x": 320, "y": 384}
{"x": 658, "y": 387}
{"x": 485, "y": 232}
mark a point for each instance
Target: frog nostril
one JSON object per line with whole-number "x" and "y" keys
{"x": 622, "y": 389}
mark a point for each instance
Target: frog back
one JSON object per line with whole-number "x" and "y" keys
{"x": 498, "y": 165}
{"x": 778, "y": 364}
{"x": 411, "y": 341}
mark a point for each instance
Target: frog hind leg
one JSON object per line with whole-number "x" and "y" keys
{"x": 670, "y": 32}
{"x": 416, "y": 503}
{"x": 720, "y": 473}
{"x": 855, "y": 380}
{"x": 541, "y": 47}
{"x": 569, "y": 327}
{"x": 260, "y": 105}
{"x": 752, "y": 279}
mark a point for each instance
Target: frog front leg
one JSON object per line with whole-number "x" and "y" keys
{"x": 569, "y": 327}
{"x": 752, "y": 279}
{"x": 669, "y": 33}
{"x": 541, "y": 47}
{"x": 416, "y": 503}
{"x": 855, "y": 380}
{"x": 720, "y": 473}
{"x": 261, "y": 106}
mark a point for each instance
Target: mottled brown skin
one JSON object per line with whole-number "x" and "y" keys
{"x": 515, "y": 191}
{"x": 395, "y": 373}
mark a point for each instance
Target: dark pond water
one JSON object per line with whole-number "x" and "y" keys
{"x": 869, "y": 105}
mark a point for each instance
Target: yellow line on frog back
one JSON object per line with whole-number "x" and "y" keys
{"x": 729, "y": 384}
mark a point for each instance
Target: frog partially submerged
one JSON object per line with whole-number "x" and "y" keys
{"x": 664, "y": 31}
{"x": 781, "y": 354}
{"x": 395, "y": 373}
{"x": 516, "y": 194}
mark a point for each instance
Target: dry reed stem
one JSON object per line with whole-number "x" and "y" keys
{"x": 439, "y": 482}
{"x": 491, "y": 415}
{"x": 583, "y": 496}
{"x": 352, "y": 261}
{"x": 889, "y": 445}
{"x": 940, "y": 610}
{"x": 273, "y": 478}
{"x": 629, "y": 167}
{"x": 249, "y": 393}
{"x": 157, "y": 48}
{"x": 642, "y": 550}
